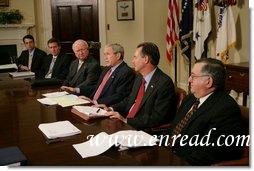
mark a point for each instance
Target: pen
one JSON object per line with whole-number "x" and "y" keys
{"x": 98, "y": 110}
{"x": 49, "y": 141}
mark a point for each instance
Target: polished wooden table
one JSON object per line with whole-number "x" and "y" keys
{"x": 21, "y": 113}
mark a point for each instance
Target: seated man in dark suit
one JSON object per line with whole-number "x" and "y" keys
{"x": 116, "y": 79}
{"x": 152, "y": 99}
{"x": 208, "y": 110}
{"x": 83, "y": 72}
{"x": 56, "y": 64}
{"x": 32, "y": 58}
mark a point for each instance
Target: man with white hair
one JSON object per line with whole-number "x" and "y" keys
{"x": 84, "y": 71}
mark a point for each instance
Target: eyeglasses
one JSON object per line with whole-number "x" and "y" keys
{"x": 192, "y": 76}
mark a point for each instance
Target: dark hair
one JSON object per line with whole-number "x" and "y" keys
{"x": 54, "y": 40}
{"x": 28, "y": 37}
{"x": 152, "y": 51}
{"x": 216, "y": 69}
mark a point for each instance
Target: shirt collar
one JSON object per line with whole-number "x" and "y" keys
{"x": 80, "y": 61}
{"x": 203, "y": 99}
{"x": 114, "y": 67}
{"x": 148, "y": 77}
{"x": 31, "y": 53}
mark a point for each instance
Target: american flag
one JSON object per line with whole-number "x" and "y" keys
{"x": 172, "y": 28}
{"x": 201, "y": 5}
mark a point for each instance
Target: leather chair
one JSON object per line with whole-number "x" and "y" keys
{"x": 244, "y": 160}
{"x": 180, "y": 95}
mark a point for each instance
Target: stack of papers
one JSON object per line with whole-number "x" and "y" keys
{"x": 63, "y": 99}
{"x": 26, "y": 74}
{"x": 58, "y": 129}
{"x": 124, "y": 139}
{"x": 8, "y": 66}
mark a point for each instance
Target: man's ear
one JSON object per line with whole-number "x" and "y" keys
{"x": 118, "y": 56}
{"x": 146, "y": 59}
{"x": 209, "y": 82}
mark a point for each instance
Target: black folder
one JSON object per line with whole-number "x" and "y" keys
{"x": 12, "y": 155}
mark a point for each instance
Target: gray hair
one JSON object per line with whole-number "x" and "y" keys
{"x": 216, "y": 69}
{"x": 117, "y": 48}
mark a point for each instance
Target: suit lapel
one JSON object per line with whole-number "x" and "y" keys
{"x": 150, "y": 87}
{"x": 204, "y": 107}
{"x": 34, "y": 57}
{"x": 77, "y": 73}
{"x": 108, "y": 83}
{"x": 112, "y": 77}
{"x": 57, "y": 64}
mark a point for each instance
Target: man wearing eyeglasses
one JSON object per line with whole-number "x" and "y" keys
{"x": 83, "y": 72}
{"x": 208, "y": 109}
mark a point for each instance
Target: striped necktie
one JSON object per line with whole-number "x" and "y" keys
{"x": 177, "y": 130}
{"x": 102, "y": 85}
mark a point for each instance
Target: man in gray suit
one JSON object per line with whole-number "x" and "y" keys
{"x": 84, "y": 71}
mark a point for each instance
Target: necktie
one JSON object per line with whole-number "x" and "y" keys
{"x": 79, "y": 65}
{"x": 30, "y": 59}
{"x": 102, "y": 85}
{"x": 134, "y": 109}
{"x": 49, "y": 74}
{"x": 177, "y": 130}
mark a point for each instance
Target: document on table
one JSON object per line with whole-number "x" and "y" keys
{"x": 47, "y": 101}
{"x": 8, "y": 66}
{"x": 90, "y": 111}
{"x": 63, "y": 99}
{"x": 124, "y": 139}
{"x": 87, "y": 149}
{"x": 70, "y": 100}
{"x": 26, "y": 74}
{"x": 55, "y": 94}
{"x": 58, "y": 129}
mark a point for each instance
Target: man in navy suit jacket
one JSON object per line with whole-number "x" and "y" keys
{"x": 116, "y": 79}
{"x": 152, "y": 101}
{"x": 56, "y": 64}
{"x": 32, "y": 58}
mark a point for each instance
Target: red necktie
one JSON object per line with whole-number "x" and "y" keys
{"x": 103, "y": 83}
{"x": 135, "y": 107}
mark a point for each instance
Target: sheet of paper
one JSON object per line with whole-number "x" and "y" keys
{"x": 47, "y": 101}
{"x": 124, "y": 139}
{"x": 8, "y": 66}
{"x": 70, "y": 100}
{"x": 89, "y": 149}
{"x": 55, "y": 94}
{"x": 26, "y": 74}
{"x": 58, "y": 129}
{"x": 133, "y": 138}
{"x": 91, "y": 111}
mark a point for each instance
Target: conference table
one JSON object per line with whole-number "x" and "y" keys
{"x": 21, "y": 114}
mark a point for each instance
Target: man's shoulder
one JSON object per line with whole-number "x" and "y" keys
{"x": 40, "y": 52}
{"x": 124, "y": 68}
{"x": 163, "y": 77}
{"x": 91, "y": 61}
